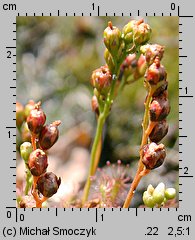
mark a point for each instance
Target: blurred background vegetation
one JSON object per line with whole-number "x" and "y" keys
{"x": 55, "y": 59}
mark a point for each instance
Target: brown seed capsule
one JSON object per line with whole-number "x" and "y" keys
{"x": 151, "y": 51}
{"x": 153, "y": 155}
{"x": 49, "y": 135}
{"x": 159, "y": 131}
{"x": 36, "y": 119}
{"x": 160, "y": 90}
{"x": 101, "y": 80}
{"x": 37, "y": 162}
{"x": 159, "y": 108}
{"x": 156, "y": 72}
{"x": 19, "y": 114}
{"x": 48, "y": 184}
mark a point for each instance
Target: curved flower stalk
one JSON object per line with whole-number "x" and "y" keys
{"x": 106, "y": 80}
{"x": 154, "y": 123}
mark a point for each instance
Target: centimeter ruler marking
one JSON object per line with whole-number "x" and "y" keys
{"x": 182, "y": 57}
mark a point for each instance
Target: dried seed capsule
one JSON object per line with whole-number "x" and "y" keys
{"x": 48, "y": 184}
{"x": 101, "y": 80}
{"x": 151, "y": 51}
{"x": 127, "y": 32}
{"x": 170, "y": 193}
{"x": 112, "y": 39}
{"x": 159, "y": 108}
{"x": 137, "y": 32}
{"x": 141, "y": 33}
{"x": 25, "y": 150}
{"x": 29, "y": 106}
{"x": 49, "y": 135}
{"x": 159, "y": 131}
{"x": 161, "y": 90}
{"x": 36, "y": 119}
{"x": 19, "y": 114}
{"x": 156, "y": 72}
{"x": 153, "y": 155}
{"x": 159, "y": 193}
{"x": 37, "y": 162}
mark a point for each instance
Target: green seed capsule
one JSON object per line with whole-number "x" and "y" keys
{"x": 170, "y": 193}
{"x": 148, "y": 200}
{"x": 112, "y": 39}
{"x": 159, "y": 193}
{"x": 25, "y": 150}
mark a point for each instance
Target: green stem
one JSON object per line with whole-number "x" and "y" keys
{"x": 98, "y": 135}
{"x": 28, "y": 181}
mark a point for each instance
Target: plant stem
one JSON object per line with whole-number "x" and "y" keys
{"x": 33, "y": 141}
{"x": 96, "y": 148}
{"x": 139, "y": 174}
{"x": 98, "y": 153}
{"x": 141, "y": 171}
{"x": 97, "y": 139}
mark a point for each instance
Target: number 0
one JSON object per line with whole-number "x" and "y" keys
{"x": 172, "y": 6}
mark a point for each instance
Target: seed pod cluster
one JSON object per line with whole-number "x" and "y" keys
{"x": 158, "y": 196}
{"x": 156, "y": 78}
{"x": 35, "y": 158}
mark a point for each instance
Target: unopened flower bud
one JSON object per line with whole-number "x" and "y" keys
{"x": 36, "y": 119}
{"x": 156, "y": 73}
{"x": 19, "y": 114}
{"x": 153, "y": 155}
{"x": 94, "y": 105}
{"x": 148, "y": 199}
{"x": 159, "y": 131}
{"x": 29, "y": 106}
{"x": 48, "y": 184}
{"x": 170, "y": 193}
{"x": 112, "y": 39}
{"x": 159, "y": 108}
{"x": 37, "y": 162}
{"x": 25, "y": 150}
{"x": 101, "y": 80}
{"x": 159, "y": 193}
{"x": 151, "y": 51}
{"x": 109, "y": 60}
{"x": 49, "y": 135}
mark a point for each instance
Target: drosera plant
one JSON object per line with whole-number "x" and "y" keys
{"x": 128, "y": 58}
{"x": 43, "y": 184}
